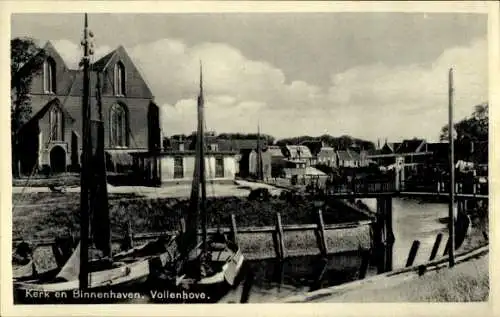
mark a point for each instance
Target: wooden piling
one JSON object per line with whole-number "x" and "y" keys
{"x": 323, "y": 266}
{"x": 413, "y": 253}
{"x": 435, "y": 247}
{"x": 247, "y": 286}
{"x": 321, "y": 234}
{"x": 447, "y": 247}
{"x": 365, "y": 261}
{"x": 234, "y": 231}
{"x": 280, "y": 236}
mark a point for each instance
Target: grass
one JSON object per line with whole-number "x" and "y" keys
{"x": 48, "y": 215}
{"x": 466, "y": 282}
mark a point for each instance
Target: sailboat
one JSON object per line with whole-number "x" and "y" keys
{"x": 93, "y": 274}
{"x": 210, "y": 266}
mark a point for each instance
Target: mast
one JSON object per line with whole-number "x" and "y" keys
{"x": 451, "y": 207}
{"x": 101, "y": 229}
{"x": 84, "y": 174}
{"x": 203, "y": 211}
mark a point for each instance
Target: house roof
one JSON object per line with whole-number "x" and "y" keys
{"x": 49, "y": 105}
{"x": 300, "y": 151}
{"x": 102, "y": 63}
{"x": 343, "y": 155}
{"x": 246, "y": 144}
{"x": 410, "y": 146}
{"x": 314, "y": 171}
{"x": 326, "y": 152}
{"x": 390, "y": 147}
{"x": 275, "y": 151}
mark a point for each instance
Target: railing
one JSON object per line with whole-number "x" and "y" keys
{"x": 362, "y": 186}
{"x": 387, "y": 187}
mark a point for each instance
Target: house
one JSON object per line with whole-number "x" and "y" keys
{"x": 327, "y": 156}
{"x": 247, "y": 162}
{"x": 177, "y": 167}
{"x": 52, "y": 138}
{"x": 314, "y": 148}
{"x": 298, "y": 153}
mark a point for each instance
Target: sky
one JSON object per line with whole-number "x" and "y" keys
{"x": 368, "y": 75}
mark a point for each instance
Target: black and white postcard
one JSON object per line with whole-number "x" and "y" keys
{"x": 166, "y": 157}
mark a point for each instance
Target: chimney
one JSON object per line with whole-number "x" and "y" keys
{"x": 378, "y": 144}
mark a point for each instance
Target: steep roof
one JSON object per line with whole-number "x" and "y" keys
{"x": 103, "y": 62}
{"x": 343, "y": 155}
{"x": 326, "y": 152}
{"x": 299, "y": 151}
{"x": 275, "y": 151}
{"x": 55, "y": 102}
{"x": 410, "y": 146}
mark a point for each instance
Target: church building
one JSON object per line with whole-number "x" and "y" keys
{"x": 51, "y": 139}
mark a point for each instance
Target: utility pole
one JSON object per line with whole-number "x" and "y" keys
{"x": 451, "y": 210}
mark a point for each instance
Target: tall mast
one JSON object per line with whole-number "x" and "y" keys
{"x": 451, "y": 207}
{"x": 201, "y": 103}
{"x": 100, "y": 225}
{"x": 84, "y": 174}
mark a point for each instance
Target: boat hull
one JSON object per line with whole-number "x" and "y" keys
{"x": 164, "y": 289}
{"x": 123, "y": 282}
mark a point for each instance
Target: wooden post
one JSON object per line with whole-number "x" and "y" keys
{"x": 280, "y": 236}
{"x": 435, "y": 248}
{"x": 321, "y": 234}
{"x": 389, "y": 239}
{"x": 383, "y": 235}
{"x": 247, "y": 286}
{"x": 323, "y": 266}
{"x": 413, "y": 253}
{"x": 234, "y": 231}
{"x": 451, "y": 209}
{"x": 365, "y": 261}
{"x": 447, "y": 247}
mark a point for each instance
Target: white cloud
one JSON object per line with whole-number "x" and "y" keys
{"x": 368, "y": 101}
{"x": 72, "y": 53}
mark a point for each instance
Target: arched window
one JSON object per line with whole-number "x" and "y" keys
{"x": 118, "y": 126}
{"x": 49, "y": 76}
{"x": 119, "y": 79}
{"x": 56, "y": 124}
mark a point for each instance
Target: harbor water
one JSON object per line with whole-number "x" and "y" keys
{"x": 272, "y": 282}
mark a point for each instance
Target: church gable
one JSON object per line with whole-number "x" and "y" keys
{"x": 52, "y": 76}
{"x": 121, "y": 77}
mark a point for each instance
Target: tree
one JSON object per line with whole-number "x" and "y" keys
{"x": 472, "y": 133}
{"x": 26, "y": 57}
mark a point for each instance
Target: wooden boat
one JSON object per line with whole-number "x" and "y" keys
{"x": 82, "y": 274}
{"x": 211, "y": 266}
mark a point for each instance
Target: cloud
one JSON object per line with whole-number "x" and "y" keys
{"x": 72, "y": 53}
{"x": 413, "y": 100}
{"x": 370, "y": 101}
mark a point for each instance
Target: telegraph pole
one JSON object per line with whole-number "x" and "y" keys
{"x": 451, "y": 210}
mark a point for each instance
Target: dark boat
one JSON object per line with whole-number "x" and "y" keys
{"x": 212, "y": 266}
{"x": 105, "y": 274}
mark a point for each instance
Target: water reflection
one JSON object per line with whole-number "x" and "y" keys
{"x": 413, "y": 220}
